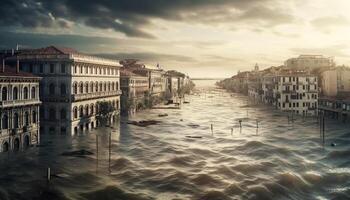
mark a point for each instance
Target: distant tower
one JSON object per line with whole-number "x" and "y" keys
{"x": 256, "y": 68}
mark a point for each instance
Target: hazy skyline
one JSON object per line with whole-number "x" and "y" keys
{"x": 204, "y": 38}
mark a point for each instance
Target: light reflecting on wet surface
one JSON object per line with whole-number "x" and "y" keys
{"x": 181, "y": 158}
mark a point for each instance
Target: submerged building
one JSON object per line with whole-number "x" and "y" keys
{"x": 134, "y": 85}
{"x": 19, "y": 109}
{"x": 72, "y": 85}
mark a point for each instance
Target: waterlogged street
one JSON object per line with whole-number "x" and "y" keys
{"x": 182, "y": 158}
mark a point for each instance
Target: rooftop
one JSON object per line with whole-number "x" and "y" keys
{"x": 11, "y": 72}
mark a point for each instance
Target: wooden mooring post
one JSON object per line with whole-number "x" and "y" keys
{"x": 96, "y": 153}
{"x": 109, "y": 152}
{"x": 240, "y": 126}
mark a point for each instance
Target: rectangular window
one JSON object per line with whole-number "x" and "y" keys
{"x": 31, "y": 68}
{"x": 63, "y": 68}
{"x": 52, "y": 68}
{"x": 41, "y": 68}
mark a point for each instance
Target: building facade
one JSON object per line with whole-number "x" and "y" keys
{"x": 336, "y": 82}
{"x": 72, "y": 85}
{"x": 309, "y": 62}
{"x": 19, "y": 109}
{"x": 297, "y": 93}
{"x": 135, "y": 88}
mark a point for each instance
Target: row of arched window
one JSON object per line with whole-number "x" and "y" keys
{"x": 80, "y": 111}
{"x": 52, "y": 90}
{"x": 91, "y": 109}
{"x": 90, "y": 87}
{"x": 95, "y": 70}
{"x": 5, "y": 123}
{"x": 16, "y": 93}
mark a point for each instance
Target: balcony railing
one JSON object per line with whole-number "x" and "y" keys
{"x": 78, "y": 97}
{"x": 22, "y": 102}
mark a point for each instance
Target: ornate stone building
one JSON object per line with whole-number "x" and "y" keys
{"x": 134, "y": 86}
{"x": 72, "y": 86}
{"x": 19, "y": 109}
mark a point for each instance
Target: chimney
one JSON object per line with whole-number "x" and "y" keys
{"x": 17, "y": 67}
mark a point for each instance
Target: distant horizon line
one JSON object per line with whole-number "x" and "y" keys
{"x": 206, "y": 78}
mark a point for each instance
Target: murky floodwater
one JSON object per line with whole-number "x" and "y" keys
{"x": 277, "y": 161}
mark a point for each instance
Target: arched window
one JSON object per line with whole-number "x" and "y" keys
{"x": 97, "y": 109}
{"x": 117, "y": 85}
{"x": 113, "y": 88}
{"x": 92, "y": 109}
{"x": 34, "y": 117}
{"x": 63, "y": 114}
{"x": 5, "y": 122}
{"x": 96, "y": 86}
{"x": 105, "y": 87}
{"x": 15, "y": 120}
{"x": 52, "y": 89}
{"x": 100, "y": 87}
{"x": 117, "y": 107}
{"x": 81, "y": 111}
{"x": 91, "y": 87}
{"x": 75, "y": 88}
{"x": 109, "y": 86}
{"x": 63, "y": 89}
{"x": 25, "y": 93}
{"x": 33, "y": 93}
{"x": 15, "y": 93}
{"x": 75, "y": 112}
{"x": 52, "y": 114}
{"x": 4, "y": 94}
{"x": 26, "y": 118}
{"x": 87, "y": 110}
{"x": 81, "y": 88}
{"x": 86, "y": 87}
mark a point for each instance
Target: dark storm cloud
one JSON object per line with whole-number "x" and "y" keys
{"x": 32, "y": 40}
{"x": 133, "y": 17}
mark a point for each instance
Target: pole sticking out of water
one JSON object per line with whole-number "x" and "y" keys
{"x": 320, "y": 123}
{"x": 109, "y": 152}
{"x": 240, "y": 126}
{"x": 96, "y": 153}
{"x": 48, "y": 174}
{"x": 323, "y": 127}
{"x": 231, "y": 131}
{"x": 257, "y": 127}
{"x": 212, "y": 129}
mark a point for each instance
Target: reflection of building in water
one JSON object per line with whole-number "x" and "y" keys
{"x": 72, "y": 85}
{"x": 19, "y": 109}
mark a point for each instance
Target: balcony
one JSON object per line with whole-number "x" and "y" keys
{"x": 17, "y": 103}
{"x": 96, "y": 95}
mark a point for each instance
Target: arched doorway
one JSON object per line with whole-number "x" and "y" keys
{"x": 5, "y": 147}
{"x": 92, "y": 125}
{"x": 26, "y": 141}
{"x": 16, "y": 144}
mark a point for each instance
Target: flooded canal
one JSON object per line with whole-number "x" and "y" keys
{"x": 183, "y": 158}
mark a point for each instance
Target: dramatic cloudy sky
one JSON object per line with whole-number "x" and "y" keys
{"x": 204, "y": 38}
